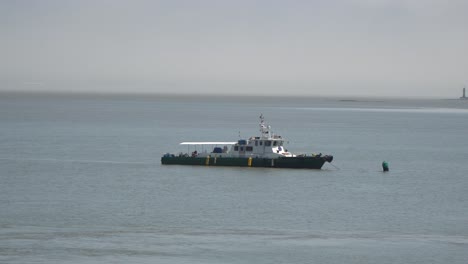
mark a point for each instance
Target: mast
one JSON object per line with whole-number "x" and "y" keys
{"x": 264, "y": 129}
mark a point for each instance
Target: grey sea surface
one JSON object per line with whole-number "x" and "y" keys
{"x": 81, "y": 181}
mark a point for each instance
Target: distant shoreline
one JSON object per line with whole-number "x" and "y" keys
{"x": 360, "y": 101}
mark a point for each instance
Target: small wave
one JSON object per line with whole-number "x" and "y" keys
{"x": 448, "y": 239}
{"x": 76, "y": 161}
{"x": 390, "y": 110}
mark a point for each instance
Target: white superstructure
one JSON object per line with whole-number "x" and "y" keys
{"x": 267, "y": 145}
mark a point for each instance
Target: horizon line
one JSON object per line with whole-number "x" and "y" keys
{"x": 210, "y": 94}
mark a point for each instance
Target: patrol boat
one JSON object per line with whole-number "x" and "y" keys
{"x": 266, "y": 150}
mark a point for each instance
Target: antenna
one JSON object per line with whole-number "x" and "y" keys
{"x": 264, "y": 129}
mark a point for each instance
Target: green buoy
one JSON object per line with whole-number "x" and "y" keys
{"x": 385, "y": 166}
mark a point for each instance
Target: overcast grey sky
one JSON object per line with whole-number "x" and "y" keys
{"x": 321, "y": 47}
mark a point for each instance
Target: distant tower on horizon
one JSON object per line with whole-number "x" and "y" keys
{"x": 464, "y": 97}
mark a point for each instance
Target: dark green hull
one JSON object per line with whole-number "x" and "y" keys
{"x": 283, "y": 162}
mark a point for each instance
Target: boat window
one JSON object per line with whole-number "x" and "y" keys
{"x": 267, "y": 143}
{"x": 241, "y": 148}
{"x": 256, "y": 142}
{"x": 274, "y": 143}
{"x": 249, "y": 148}
{"x": 217, "y": 150}
{"x": 261, "y": 143}
{"x": 236, "y": 148}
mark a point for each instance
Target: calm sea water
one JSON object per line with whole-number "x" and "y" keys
{"x": 81, "y": 181}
